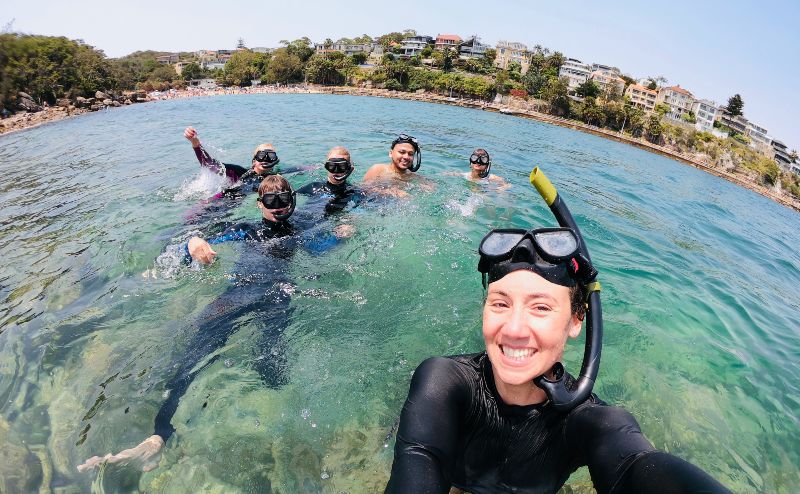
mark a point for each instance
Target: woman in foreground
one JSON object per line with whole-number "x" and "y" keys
{"x": 510, "y": 419}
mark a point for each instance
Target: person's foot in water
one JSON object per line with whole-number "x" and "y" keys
{"x": 146, "y": 455}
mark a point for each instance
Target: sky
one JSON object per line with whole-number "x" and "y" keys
{"x": 713, "y": 48}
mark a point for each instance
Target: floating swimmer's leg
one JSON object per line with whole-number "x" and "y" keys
{"x": 146, "y": 455}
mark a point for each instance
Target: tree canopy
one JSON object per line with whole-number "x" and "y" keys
{"x": 735, "y": 105}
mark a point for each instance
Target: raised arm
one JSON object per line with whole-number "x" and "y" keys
{"x": 429, "y": 429}
{"x": 203, "y": 157}
{"x": 622, "y": 460}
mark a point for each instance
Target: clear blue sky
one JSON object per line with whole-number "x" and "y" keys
{"x": 712, "y": 48}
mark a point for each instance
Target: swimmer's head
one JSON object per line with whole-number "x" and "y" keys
{"x": 339, "y": 165}
{"x": 276, "y": 199}
{"x": 265, "y": 158}
{"x": 405, "y": 153}
{"x": 480, "y": 163}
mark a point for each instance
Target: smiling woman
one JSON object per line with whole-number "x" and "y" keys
{"x": 487, "y": 423}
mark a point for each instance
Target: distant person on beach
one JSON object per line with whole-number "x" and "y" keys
{"x": 335, "y": 191}
{"x": 406, "y": 158}
{"x": 261, "y": 295}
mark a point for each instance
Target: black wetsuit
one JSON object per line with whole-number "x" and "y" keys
{"x": 337, "y": 197}
{"x": 456, "y": 431}
{"x": 257, "y": 297}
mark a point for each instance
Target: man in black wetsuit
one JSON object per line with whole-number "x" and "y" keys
{"x": 336, "y": 191}
{"x": 479, "y": 423}
{"x": 256, "y": 294}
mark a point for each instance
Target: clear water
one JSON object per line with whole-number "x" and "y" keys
{"x": 700, "y": 285}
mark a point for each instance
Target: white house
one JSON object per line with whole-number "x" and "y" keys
{"x": 705, "y": 113}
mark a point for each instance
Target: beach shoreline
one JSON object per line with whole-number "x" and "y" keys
{"x": 23, "y": 121}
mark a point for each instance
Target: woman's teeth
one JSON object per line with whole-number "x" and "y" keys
{"x": 517, "y": 353}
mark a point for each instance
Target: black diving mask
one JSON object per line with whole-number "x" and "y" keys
{"x": 482, "y": 160}
{"x": 266, "y": 158}
{"x": 553, "y": 253}
{"x": 339, "y": 165}
{"x": 407, "y": 139}
{"x": 277, "y": 200}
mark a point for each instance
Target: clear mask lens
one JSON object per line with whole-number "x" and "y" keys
{"x": 558, "y": 244}
{"x": 500, "y": 243}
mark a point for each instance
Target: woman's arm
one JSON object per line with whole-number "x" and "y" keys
{"x": 622, "y": 460}
{"x": 429, "y": 429}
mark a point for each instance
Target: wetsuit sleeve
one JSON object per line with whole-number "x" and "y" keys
{"x": 307, "y": 189}
{"x": 622, "y": 460}
{"x": 233, "y": 172}
{"x": 427, "y": 438}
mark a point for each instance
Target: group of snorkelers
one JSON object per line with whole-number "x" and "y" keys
{"x": 507, "y": 419}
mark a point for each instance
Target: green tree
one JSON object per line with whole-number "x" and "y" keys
{"x": 735, "y": 105}
{"x": 652, "y": 85}
{"x": 284, "y": 67}
{"x": 301, "y": 48}
{"x": 359, "y": 58}
{"x": 240, "y": 69}
{"x": 588, "y": 89}
{"x": 555, "y": 92}
{"x": 514, "y": 71}
{"x": 328, "y": 68}
{"x": 654, "y": 128}
{"x": 192, "y": 71}
{"x": 388, "y": 39}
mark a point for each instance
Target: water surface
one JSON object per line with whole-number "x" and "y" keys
{"x": 700, "y": 295}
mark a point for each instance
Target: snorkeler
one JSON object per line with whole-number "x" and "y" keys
{"x": 480, "y": 164}
{"x": 242, "y": 180}
{"x": 257, "y": 294}
{"x": 336, "y": 190}
{"x": 406, "y": 158}
{"x": 510, "y": 419}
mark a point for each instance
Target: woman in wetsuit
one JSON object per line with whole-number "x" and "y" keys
{"x": 509, "y": 419}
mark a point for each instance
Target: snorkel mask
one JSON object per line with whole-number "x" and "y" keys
{"x": 280, "y": 200}
{"x": 481, "y": 159}
{"x": 407, "y": 139}
{"x": 267, "y": 158}
{"x": 560, "y": 256}
{"x": 338, "y": 166}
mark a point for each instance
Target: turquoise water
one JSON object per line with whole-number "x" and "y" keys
{"x": 700, "y": 295}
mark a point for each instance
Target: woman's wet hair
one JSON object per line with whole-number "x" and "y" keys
{"x": 577, "y": 298}
{"x": 481, "y": 152}
{"x": 273, "y": 183}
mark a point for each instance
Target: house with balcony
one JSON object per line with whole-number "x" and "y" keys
{"x": 736, "y": 122}
{"x": 758, "y": 135}
{"x": 705, "y": 113}
{"x": 447, "y": 42}
{"x": 678, "y": 99}
{"x": 413, "y": 45}
{"x": 508, "y": 52}
{"x": 607, "y": 69}
{"x": 472, "y": 48}
{"x": 170, "y": 59}
{"x": 642, "y": 97}
{"x": 607, "y": 80}
{"x": 782, "y": 156}
{"x": 575, "y": 71}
